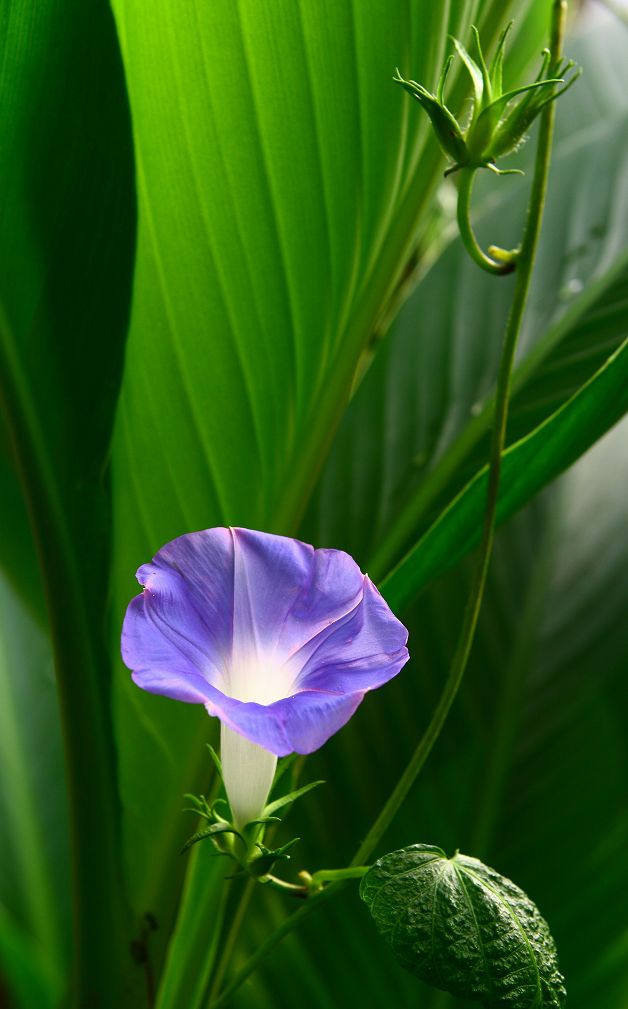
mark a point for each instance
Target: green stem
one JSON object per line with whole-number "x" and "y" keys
{"x": 500, "y": 266}
{"x": 282, "y": 885}
{"x": 354, "y": 871}
{"x": 232, "y": 935}
{"x": 502, "y": 396}
{"x": 273, "y": 940}
{"x": 509, "y": 702}
{"x": 525, "y": 264}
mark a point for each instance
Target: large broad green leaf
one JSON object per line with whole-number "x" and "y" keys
{"x": 527, "y": 466}
{"x": 417, "y": 428}
{"x": 281, "y": 186}
{"x": 67, "y": 235}
{"x": 530, "y": 772}
{"x": 67, "y": 229}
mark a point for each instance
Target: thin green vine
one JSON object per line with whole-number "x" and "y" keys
{"x": 503, "y": 262}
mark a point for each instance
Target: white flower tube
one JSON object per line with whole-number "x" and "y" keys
{"x": 248, "y": 771}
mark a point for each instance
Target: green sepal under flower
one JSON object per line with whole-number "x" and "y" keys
{"x": 499, "y": 119}
{"x": 244, "y": 844}
{"x": 449, "y": 134}
{"x": 262, "y": 864}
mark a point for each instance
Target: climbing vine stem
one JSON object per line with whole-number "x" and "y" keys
{"x": 504, "y": 261}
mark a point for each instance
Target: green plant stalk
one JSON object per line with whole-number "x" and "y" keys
{"x": 463, "y": 211}
{"x": 292, "y": 922}
{"x": 194, "y": 942}
{"x": 506, "y": 720}
{"x": 99, "y": 909}
{"x": 525, "y": 265}
{"x": 231, "y": 937}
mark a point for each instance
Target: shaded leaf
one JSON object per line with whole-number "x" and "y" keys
{"x": 34, "y": 883}
{"x": 526, "y": 467}
{"x": 430, "y": 389}
{"x": 25, "y": 972}
{"x": 67, "y": 235}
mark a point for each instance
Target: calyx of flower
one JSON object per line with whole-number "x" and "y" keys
{"x": 499, "y": 119}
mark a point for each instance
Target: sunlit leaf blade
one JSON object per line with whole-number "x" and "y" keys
{"x": 542, "y": 715}
{"x": 461, "y": 926}
{"x": 238, "y": 365}
{"x": 67, "y": 235}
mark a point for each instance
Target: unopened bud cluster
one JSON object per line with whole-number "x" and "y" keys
{"x": 499, "y": 119}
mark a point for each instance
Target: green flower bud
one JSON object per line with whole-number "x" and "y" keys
{"x": 447, "y": 130}
{"x": 500, "y": 119}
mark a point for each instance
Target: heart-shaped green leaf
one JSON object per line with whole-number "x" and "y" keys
{"x": 462, "y": 927}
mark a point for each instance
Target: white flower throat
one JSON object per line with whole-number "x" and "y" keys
{"x": 262, "y": 680}
{"x": 248, "y": 768}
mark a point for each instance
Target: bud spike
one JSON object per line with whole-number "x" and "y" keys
{"x": 474, "y": 71}
{"x": 443, "y": 77}
{"x": 486, "y": 79}
{"x": 496, "y": 67}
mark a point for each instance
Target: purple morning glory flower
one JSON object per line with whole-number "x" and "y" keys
{"x": 278, "y": 640}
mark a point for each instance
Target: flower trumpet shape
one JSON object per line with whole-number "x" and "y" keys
{"x": 278, "y": 640}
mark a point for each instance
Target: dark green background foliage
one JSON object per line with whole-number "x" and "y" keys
{"x": 231, "y": 292}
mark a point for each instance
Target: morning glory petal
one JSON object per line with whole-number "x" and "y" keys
{"x": 182, "y": 624}
{"x": 297, "y": 724}
{"x": 285, "y": 592}
{"x": 361, "y": 652}
{"x": 278, "y": 640}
